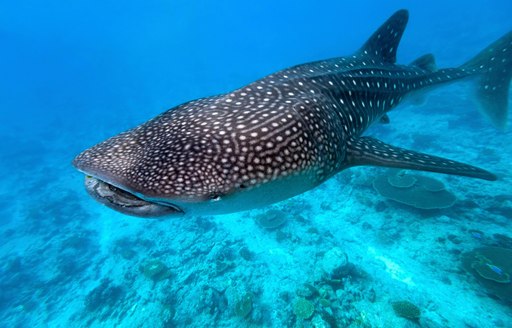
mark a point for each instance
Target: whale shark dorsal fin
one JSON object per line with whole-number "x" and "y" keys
{"x": 384, "y": 42}
{"x": 426, "y": 62}
{"x": 370, "y": 151}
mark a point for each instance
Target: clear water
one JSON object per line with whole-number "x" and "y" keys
{"x": 75, "y": 73}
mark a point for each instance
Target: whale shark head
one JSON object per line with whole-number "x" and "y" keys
{"x": 151, "y": 169}
{"x": 201, "y": 155}
{"x": 119, "y": 173}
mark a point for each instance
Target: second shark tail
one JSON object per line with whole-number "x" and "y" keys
{"x": 494, "y": 66}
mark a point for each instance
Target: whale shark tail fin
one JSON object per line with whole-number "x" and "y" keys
{"x": 494, "y": 65}
{"x": 383, "y": 43}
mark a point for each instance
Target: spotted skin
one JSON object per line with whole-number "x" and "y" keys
{"x": 278, "y": 136}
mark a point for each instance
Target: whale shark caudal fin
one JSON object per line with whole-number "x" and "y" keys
{"x": 370, "y": 151}
{"x": 384, "y": 42}
{"x": 494, "y": 64}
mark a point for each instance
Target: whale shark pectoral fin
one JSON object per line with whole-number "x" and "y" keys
{"x": 370, "y": 151}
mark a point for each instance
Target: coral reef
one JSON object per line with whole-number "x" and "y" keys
{"x": 271, "y": 219}
{"x": 241, "y": 302}
{"x": 492, "y": 267}
{"x": 308, "y": 291}
{"x": 244, "y": 305}
{"x": 245, "y": 253}
{"x": 105, "y": 295}
{"x": 79, "y": 241}
{"x": 414, "y": 190}
{"x": 155, "y": 270}
{"x": 335, "y": 263}
{"x": 401, "y": 180}
{"x": 303, "y": 308}
{"x": 406, "y": 309}
{"x": 224, "y": 259}
{"x": 487, "y": 270}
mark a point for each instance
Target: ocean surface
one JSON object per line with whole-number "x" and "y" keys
{"x": 73, "y": 73}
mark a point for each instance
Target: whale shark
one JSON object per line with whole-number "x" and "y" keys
{"x": 286, "y": 133}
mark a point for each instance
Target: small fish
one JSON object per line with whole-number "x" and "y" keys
{"x": 476, "y": 234}
{"x": 496, "y": 269}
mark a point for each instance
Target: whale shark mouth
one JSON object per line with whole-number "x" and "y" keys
{"x": 126, "y": 202}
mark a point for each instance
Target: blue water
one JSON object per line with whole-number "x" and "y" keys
{"x": 73, "y": 73}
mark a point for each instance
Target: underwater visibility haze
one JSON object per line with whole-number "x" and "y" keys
{"x": 279, "y": 197}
